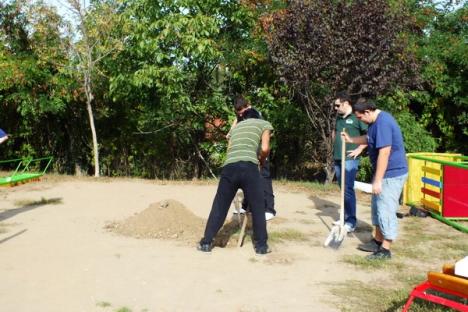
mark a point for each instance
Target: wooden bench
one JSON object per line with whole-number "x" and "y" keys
{"x": 446, "y": 283}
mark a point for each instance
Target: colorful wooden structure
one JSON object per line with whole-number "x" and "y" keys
{"x": 442, "y": 283}
{"x": 25, "y": 170}
{"x": 439, "y": 183}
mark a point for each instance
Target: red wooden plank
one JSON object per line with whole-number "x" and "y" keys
{"x": 455, "y": 192}
{"x": 430, "y": 193}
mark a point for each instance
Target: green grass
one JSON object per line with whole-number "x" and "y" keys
{"x": 371, "y": 265}
{"x": 103, "y": 304}
{"x": 307, "y": 185}
{"x": 287, "y": 235}
{"x": 423, "y": 245}
{"x": 123, "y": 309}
{"x": 376, "y": 298}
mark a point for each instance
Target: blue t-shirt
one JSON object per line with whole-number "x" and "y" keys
{"x": 386, "y": 132}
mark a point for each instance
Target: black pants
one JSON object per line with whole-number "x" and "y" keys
{"x": 240, "y": 175}
{"x": 267, "y": 185}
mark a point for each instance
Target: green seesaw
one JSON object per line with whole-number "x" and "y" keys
{"x": 24, "y": 171}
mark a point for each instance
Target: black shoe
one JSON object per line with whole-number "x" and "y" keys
{"x": 371, "y": 246}
{"x": 262, "y": 250}
{"x": 205, "y": 247}
{"x": 381, "y": 254}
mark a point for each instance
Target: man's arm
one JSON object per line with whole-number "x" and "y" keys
{"x": 361, "y": 140}
{"x": 265, "y": 147}
{"x": 3, "y": 139}
{"x": 382, "y": 163}
{"x": 234, "y": 124}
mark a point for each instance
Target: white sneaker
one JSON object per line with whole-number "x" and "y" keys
{"x": 269, "y": 216}
{"x": 336, "y": 222}
{"x": 241, "y": 211}
{"x": 349, "y": 228}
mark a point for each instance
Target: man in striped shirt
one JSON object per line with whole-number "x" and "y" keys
{"x": 241, "y": 171}
{"x": 268, "y": 196}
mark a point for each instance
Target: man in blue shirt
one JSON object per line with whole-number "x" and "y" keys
{"x": 390, "y": 170}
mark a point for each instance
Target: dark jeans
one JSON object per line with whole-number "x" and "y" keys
{"x": 267, "y": 185}
{"x": 351, "y": 169}
{"x": 240, "y": 175}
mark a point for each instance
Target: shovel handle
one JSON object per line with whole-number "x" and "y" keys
{"x": 343, "y": 171}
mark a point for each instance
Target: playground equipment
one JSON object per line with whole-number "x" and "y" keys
{"x": 444, "y": 283}
{"x": 439, "y": 183}
{"x": 26, "y": 170}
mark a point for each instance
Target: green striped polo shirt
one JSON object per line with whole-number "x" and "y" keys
{"x": 245, "y": 140}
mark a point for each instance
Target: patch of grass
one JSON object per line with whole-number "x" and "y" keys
{"x": 123, "y": 309}
{"x": 458, "y": 246}
{"x": 287, "y": 235}
{"x": 370, "y": 265}
{"x": 414, "y": 251}
{"x": 42, "y": 201}
{"x": 308, "y": 186}
{"x": 103, "y": 304}
{"x": 424, "y": 244}
{"x": 373, "y": 298}
{"x": 426, "y": 239}
{"x": 253, "y": 260}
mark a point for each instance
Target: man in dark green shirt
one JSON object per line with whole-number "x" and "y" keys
{"x": 347, "y": 120}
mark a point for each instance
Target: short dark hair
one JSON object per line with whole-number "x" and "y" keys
{"x": 343, "y": 96}
{"x": 363, "y": 104}
{"x": 250, "y": 113}
{"x": 240, "y": 102}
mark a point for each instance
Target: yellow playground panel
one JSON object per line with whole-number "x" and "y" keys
{"x": 439, "y": 183}
{"x": 416, "y": 191}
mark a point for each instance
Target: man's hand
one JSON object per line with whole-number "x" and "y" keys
{"x": 345, "y": 137}
{"x": 355, "y": 153}
{"x": 376, "y": 187}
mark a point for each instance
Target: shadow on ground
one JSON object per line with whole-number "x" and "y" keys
{"x": 230, "y": 230}
{"x": 331, "y": 211}
{"x": 28, "y": 206}
{"x": 12, "y": 236}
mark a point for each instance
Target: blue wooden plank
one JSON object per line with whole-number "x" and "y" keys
{"x": 432, "y": 182}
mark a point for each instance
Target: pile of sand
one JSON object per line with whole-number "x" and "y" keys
{"x": 168, "y": 219}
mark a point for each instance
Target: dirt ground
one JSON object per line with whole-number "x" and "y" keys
{"x": 129, "y": 245}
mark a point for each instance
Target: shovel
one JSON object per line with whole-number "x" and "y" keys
{"x": 338, "y": 232}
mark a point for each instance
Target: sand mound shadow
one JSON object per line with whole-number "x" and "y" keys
{"x": 167, "y": 219}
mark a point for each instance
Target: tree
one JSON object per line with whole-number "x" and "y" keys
{"x": 95, "y": 25}
{"x": 34, "y": 90}
{"x": 320, "y": 47}
{"x": 442, "y": 105}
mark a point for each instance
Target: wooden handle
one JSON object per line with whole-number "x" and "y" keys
{"x": 343, "y": 171}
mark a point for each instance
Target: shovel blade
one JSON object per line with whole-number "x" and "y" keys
{"x": 336, "y": 237}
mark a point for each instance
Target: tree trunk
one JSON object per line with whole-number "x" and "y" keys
{"x": 330, "y": 162}
{"x": 89, "y": 98}
{"x": 330, "y": 171}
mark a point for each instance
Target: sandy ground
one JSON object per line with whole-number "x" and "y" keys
{"x": 59, "y": 254}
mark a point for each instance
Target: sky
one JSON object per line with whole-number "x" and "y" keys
{"x": 62, "y": 6}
